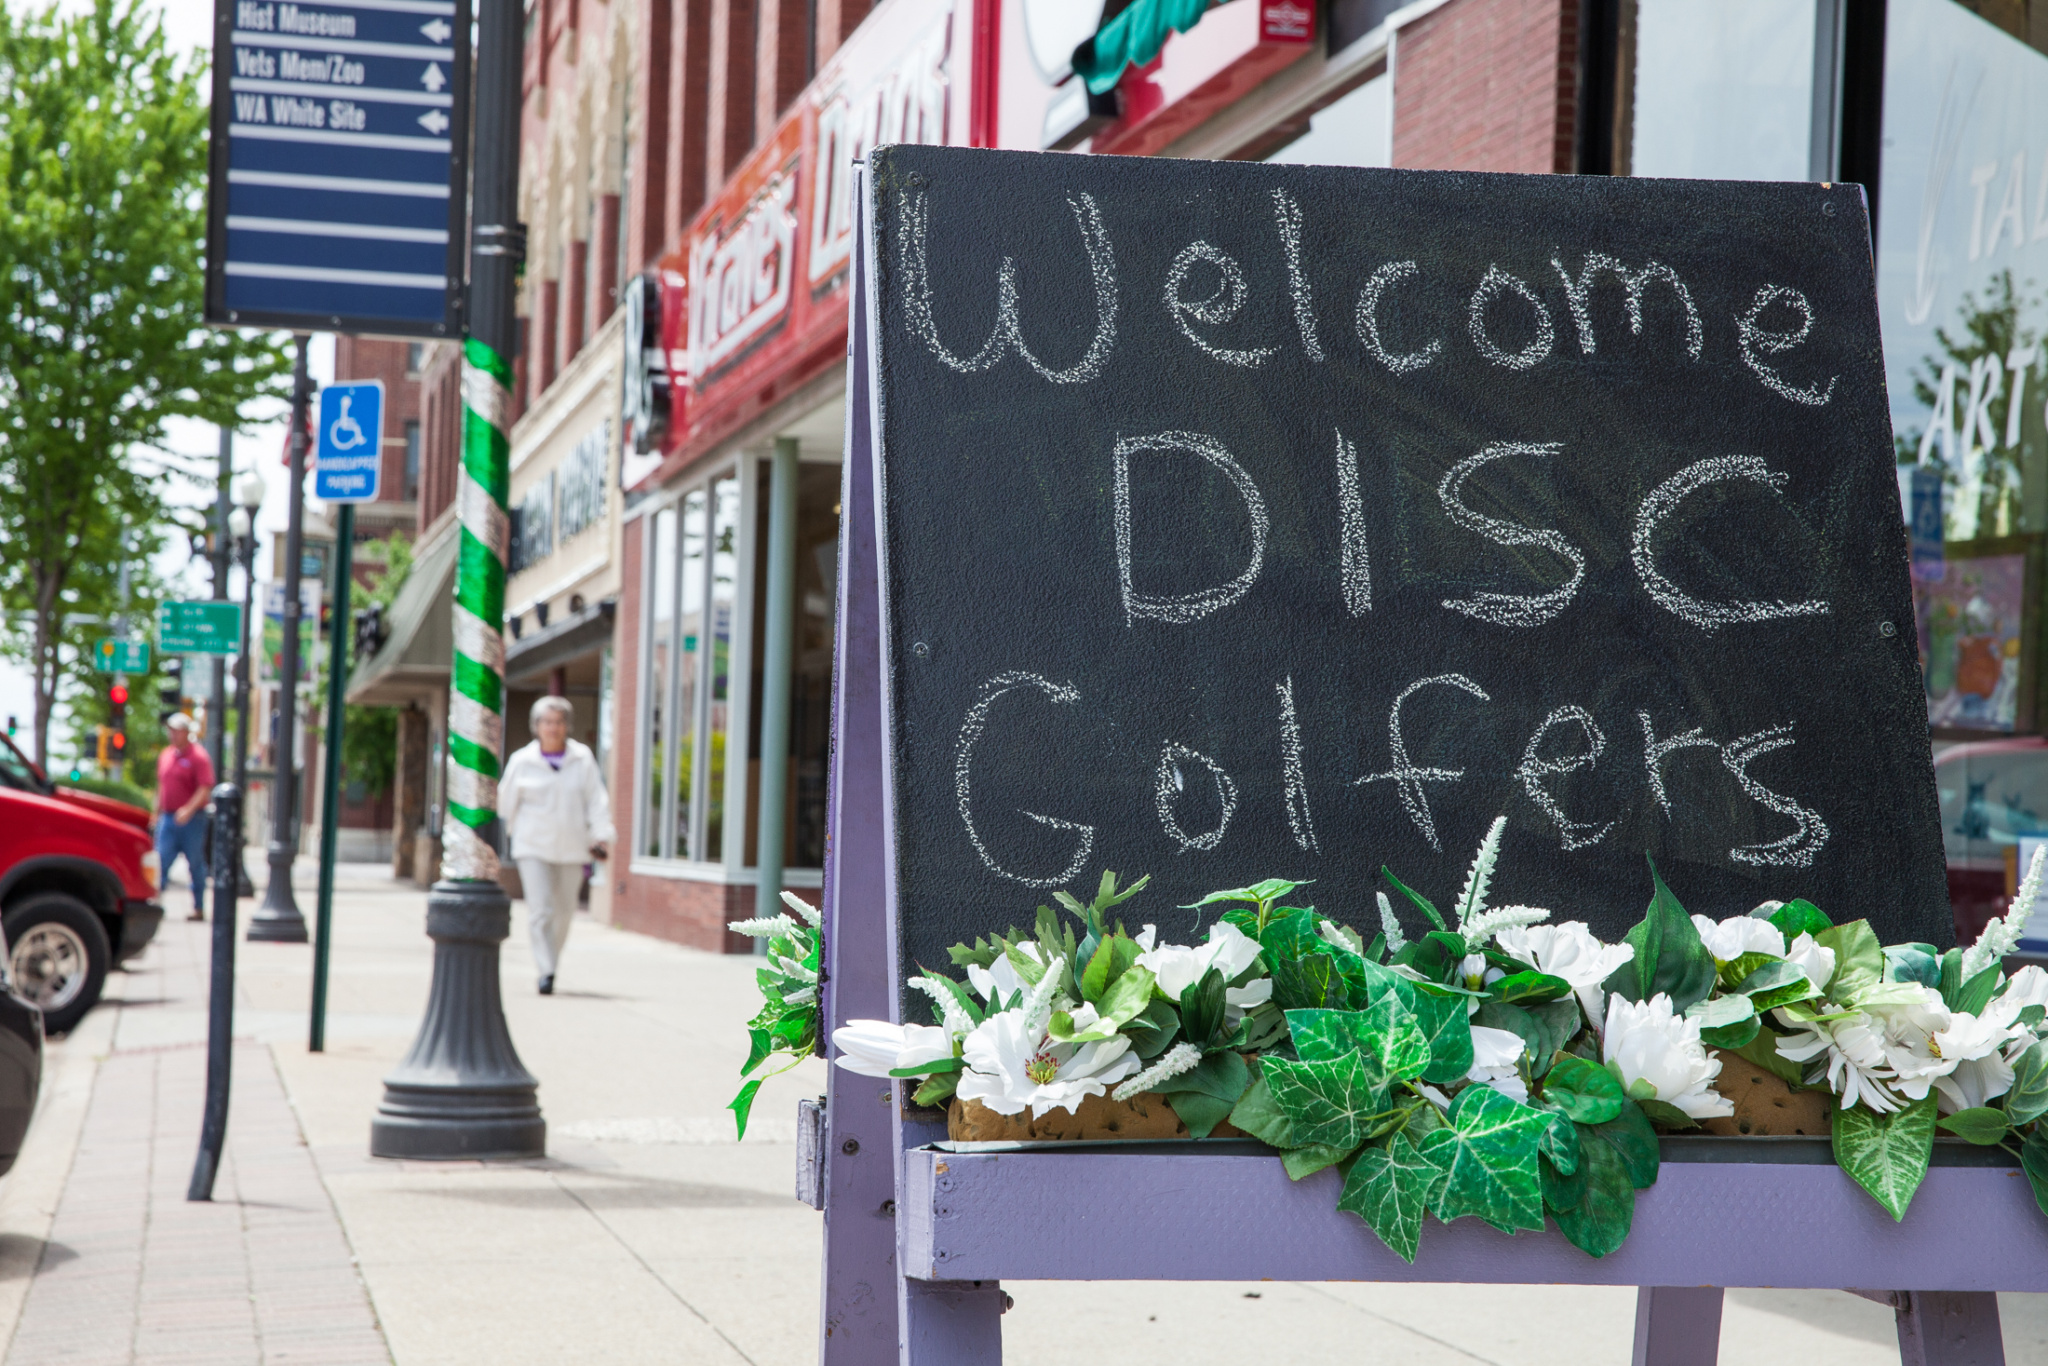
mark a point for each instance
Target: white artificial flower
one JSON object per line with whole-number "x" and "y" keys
{"x": 1857, "y": 1064}
{"x": 1012, "y": 1063}
{"x": 1975, "y": 1081}
{"x": 1810, "y": 958}
{"x": 2027, "y": 987}
{"x": 874, "y": 1048}
{"x": 2002, "y": 935}
{"x": 764, "y": 927}
{"x": 1473, "y": 974}
{"x": 1912, "y": 1029}
{"x": 1495, "y": 1053}
{"x": 1571, "y": 952}
{"x": 1971, "y": 1046}
{"x": 1729, "y": 939}
{"x": 1001, "y": 979}
{"x": 1177, "y": 967}
{"x": 1646, "y": 1042}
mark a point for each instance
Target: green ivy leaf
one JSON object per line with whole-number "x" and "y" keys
{"x": 1859, "y": 959}
{"x": 1886, "y": 1154}
{"x": 1798, "y": 917}
{"x": 1309, "y": 983}
{"x": 1386, "y": 1032}
{"x": 1980, "y": 1124}
{"x": 1258, "y": 1115}
{"x": 2034, "y": 1162}
{"x": 1448, "y": 1029}
{"x": 1669, "y": 955}
{"x": 1600, "y": 1221}
{"x": 2027, "y": 1100}
{"x": 1584, "y": 1091}
{"x": 1326, "y": 1102}
{"x": 743, "y": 1104}
{"x": 1390, "y": 1186}
{"x": 1635, "y": 1143}
{"x": 758, "y": 1047}
{"x": 1307, "y": 1161}
{"x": 1488, "y": 1158}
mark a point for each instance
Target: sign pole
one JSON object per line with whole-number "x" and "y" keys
{"x": 278, "y": 919}
{"x": 217, "y": 696}
{"x": 330, "y": 802}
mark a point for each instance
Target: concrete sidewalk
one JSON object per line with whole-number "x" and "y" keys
{"x": 647, "y": 1235}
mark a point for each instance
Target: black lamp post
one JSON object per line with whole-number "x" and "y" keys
{"x": 249, "y": 491}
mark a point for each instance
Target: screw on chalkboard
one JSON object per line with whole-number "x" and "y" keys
{"x": 888, "y": 1209}
{"x": 1827, "y": 206}
{"x": 915, "y": 180}
{"x": 921, "y": 650}
{"x": 1887, "y": 630}
{"x": 850, "y": 1147}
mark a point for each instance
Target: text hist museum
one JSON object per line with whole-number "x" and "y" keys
{"x": 723, "y": 231}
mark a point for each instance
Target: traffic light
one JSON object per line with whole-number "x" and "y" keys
{"x": 117, "y": 718}
{"x": 171, "y": 689}
{"x": 101, "y": 754}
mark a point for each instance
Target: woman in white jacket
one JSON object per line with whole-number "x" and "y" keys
{"x": 552, "y": 802}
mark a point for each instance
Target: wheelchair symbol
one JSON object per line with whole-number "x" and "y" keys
{"x": 346, "y": 434}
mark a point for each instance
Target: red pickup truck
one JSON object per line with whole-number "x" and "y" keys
{"x": 78, "y": 888}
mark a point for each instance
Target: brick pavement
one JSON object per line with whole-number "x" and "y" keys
{"x": 134, "y": 1273}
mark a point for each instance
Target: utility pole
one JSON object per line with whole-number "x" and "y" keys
{"x": 462, "y": 1091}
{"x": 278, "y": 919}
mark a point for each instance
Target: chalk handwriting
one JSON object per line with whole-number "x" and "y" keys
{"x": 1218, "y": 308}
{"x": 1655, "y": 751}
{"x": 1795, "y": 850}
{"x": 1406, "y": 777}
{"x": 963, "y": 785}
{"x": 1534, "y": 768}
{"x": 1663, "y": 499}
{"x": 1354, "y": 563}
{"x": 1759, "y": 341}
{"x": 1578, "y": 293}
{"x": 1369, "y": 319}
{"x": 1288, "y": 213}
{"x": 1008, "y": 334}
{"x": 1508, "y": 609}
{"x": 1539, "y": 346}
{"x": 1189, "y": 606}
{"x": 1291, "y": 768}
{"x": 1171, "y": 781}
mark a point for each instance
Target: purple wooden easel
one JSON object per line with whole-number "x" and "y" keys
{"x": 918, "y": 1240}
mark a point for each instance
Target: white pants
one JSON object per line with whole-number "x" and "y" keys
{"x": 550, "y": 905}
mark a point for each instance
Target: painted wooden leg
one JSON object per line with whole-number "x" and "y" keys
{"x": 1678, "y": 1325}
{"x": 952, "y": 1323}
{"x": 1949, "y": 1328}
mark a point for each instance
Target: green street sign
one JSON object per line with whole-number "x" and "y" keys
{"x": 121, "y": 656}
{"x": 199, "y": 628}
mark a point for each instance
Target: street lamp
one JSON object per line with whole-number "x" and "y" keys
{"x": 249, "y": 490}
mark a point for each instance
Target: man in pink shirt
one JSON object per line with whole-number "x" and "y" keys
{"x": 184, "y": 785}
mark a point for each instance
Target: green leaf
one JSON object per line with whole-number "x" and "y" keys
{"x": 1886, "y": 1154}
{"x": 1153, "y": 1029}
{"x": 960, "y": 994}
{"x": 1726, "y": 1021}
{"x": 1307, "y": 1161}
{"x": 1202, "y": 1009}
{"x": 1635, "y": 1143}
{"x": 1448, "y": 1030}
{"x": 1272, "y": 889}
{"x": 743, "y": 1103}
{"x": 1421, "y": 902}
{"x": 1951, "y": 977}
{"x": 1600, "y": 1221}
{"x": 1258, "y": 1115}
{"x": 2034, "y": 1162}
{"x": 1390, "y": 1186}
{"x": 1913, "y": 963}
{"x": 937, "y": 1091}
{"x": 1669, "y": 955}
{"x": 1111, "y": 959}
{"x": 1584, "y": 1091}
{"x": 1565, "y": 1190}
{"x": 758, "y": 1047}
{"x": 1545, "y": 1028}
{"x": 1762, "y": 1051}
{"x": 1309, "y": 983}
{"x": 1528, "y": 987}
{"x": 1665, "y": 1113}
{"x": 1326, "y": 1102}
{"x": 1127, "y": 999}
{"x": 1732, "y": 1036}
{"x": 1776, "y": 982}
{"x": 1028, "y": 968}
{"x": 1980, "y": 1124}
{"x": 1221, "y": 1075}
{"x": 1387, "y": 1033}
{"x": 1859, "y": 960}
{"x": 1560, "y": 1144}
{"x": 1201, "y": 1113}
{"x": 1488, "y": 1158}
{"x": 2027, "y": 1099}
{"x": 1795, "y": 918}
{"x": 928, "y": 1069}
{"x": 1977, "y": 992}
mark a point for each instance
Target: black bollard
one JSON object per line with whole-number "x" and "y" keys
{"x": 461, "y": 1091}
{"x": 226, "y": 853}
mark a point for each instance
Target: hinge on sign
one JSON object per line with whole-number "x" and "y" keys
{"x": 810, "y": 1152}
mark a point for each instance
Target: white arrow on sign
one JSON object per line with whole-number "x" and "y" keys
{"x": 434, "y": 121}
{"x": 433, "y": 79}
{"x": 437, "y": 31}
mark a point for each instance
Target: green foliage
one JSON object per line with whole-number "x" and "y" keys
{"x": 1390, "y": 1185}
{"x": 2034, "y": 1162}
{"x": 1669, "y": 955}
{"x": 1205, "y": 1097}
{"x": 1598, "y": 1221}
{"x": 1979, "y": 1124}
{"x": 1859, "y": 959}
{"x": 1585, "y": 1092}
{"x": 1330, "y": 1101}
{"x": 1798, "y": 917}
{"x": 369, "y": 748}
{"x": 130, "y": 793}
{"x": 2027, "y": 1099}
{"x": 1488, "y": 1158}
{"x": 788, "y": 1019}
{"x": 103, "y": 157}
{"x": 1886, "y": 1154}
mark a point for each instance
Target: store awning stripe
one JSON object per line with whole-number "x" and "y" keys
{"x": 1134, "y": 38}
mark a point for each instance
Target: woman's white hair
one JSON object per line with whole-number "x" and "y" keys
{"x": 552, "y": 705}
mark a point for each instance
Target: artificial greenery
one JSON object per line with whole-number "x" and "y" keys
{"x": 788, "y": 1019}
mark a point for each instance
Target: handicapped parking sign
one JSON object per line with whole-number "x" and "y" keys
{"x": 350, "y": 442}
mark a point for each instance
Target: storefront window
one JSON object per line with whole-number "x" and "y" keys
{"x": 1356, "y": 130}
{"x": 684, "y": 686}
{"x": 1722, "y": 90}
{"x": 661, "y": 621}
{"x": 672, "y": 793}
{"x": 725, "y": 573}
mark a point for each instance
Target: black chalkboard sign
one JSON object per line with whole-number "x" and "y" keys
{"x": 1248, "y": 521}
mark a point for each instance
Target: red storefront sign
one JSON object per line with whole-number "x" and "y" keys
{"x": 1233, "y": 49}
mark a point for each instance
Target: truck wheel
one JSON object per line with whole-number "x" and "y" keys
{"x": 57, "y": 954}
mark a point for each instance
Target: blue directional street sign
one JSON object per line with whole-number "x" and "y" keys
{"x": 338, "y": 173}
{"x": 350, "y": 449}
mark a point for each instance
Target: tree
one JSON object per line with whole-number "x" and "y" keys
{"x": 103, "y": 156}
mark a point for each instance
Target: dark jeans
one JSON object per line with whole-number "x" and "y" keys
{"x": 189, "y": 839}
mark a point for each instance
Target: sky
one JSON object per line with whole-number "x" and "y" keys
{"x": 188, "y": 25}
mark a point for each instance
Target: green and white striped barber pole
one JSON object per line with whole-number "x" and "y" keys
{"x": 476, "y": 702}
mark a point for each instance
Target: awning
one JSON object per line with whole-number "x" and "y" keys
{"x": 1133, "y": 38}
{"x": 576, "y": 635}
{"x": 413, "y": 662}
